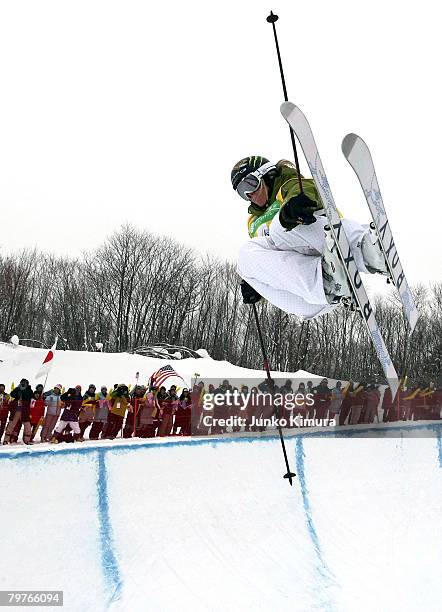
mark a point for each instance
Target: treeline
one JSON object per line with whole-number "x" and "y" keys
{"x": 139, "y": 289}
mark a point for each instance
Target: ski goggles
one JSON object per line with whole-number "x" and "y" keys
{"x": 251, "y": 182}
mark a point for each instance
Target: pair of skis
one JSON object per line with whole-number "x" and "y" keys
{"x": 359, "y": 157}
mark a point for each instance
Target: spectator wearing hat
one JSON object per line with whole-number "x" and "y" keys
{"x": 372, "y": 399}
{"x": 388, "y": 406}
{"x": 348, "y": 395}
{"x": 408, "y": 401}
{"x": 4, "y": 409}
{"x": 37, "y": 410}
{"x": 358, "y": 404}
{"x": 220, "y": 408}
{"x": 174, "y": 397}
{"x": 53, "y": 405}
{"x": 286, "y": 409}
{"x": 119, "y": 404}
{"x": 300, "y": 409}
{"x": 251, "y": 406}
{"x": 168, "y": 406}
{"x": 182, "y": 422}
{"x": 197, "y": 395}
{"x": 322, "y": 395}
{"x": 336, "y": 399}
{"x": 311, "y": 405}
{"x": 130, "y": 426}
{"x": 100, "y": 415}
{"x": 148, "y": 410}
{"x": 165, "y": 413}
{"x": 20, "y": 411}
{"x": 87, "y": 410}
{"x": 72, "y": 401}
{"x": 237, "y": 410}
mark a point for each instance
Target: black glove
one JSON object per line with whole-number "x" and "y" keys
{"x": 249, "y": 295}
{"x": 298, "y": 211}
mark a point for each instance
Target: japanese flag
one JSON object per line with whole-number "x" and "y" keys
{"x": 47, "y": 362}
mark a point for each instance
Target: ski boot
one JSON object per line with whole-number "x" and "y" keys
{"x": 336, "y": 286}
{"x": 372, "y": 253}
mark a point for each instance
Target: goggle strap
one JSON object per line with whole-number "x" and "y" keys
{"x": 262, "y": 170}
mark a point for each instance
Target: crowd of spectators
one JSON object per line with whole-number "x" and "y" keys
{"x": 64, "y": 416}
{"x": 60, "y": 415}
{"x": 347, "y": 404}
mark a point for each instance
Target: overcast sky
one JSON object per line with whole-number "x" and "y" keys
{"x": 135, "y": 111}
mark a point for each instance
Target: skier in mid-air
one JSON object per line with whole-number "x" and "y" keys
{"x": 288, "y": 261}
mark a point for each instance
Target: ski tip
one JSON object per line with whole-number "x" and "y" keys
{"x": 348, "y": 143}
{"x": 286, "y": 108}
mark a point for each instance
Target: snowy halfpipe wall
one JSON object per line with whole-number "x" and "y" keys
{"x": 211, "y": 525}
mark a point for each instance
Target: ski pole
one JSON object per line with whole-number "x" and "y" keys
{"x": 272, "y": 18}
{"x": 289, "y": 475}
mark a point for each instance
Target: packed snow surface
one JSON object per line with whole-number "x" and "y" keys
{"x": 211, "y": 524}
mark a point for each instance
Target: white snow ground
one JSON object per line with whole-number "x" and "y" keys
{"x": 208, "y": 524}
{"x": 81, "y": 367}
{"x": 211, "y": 525}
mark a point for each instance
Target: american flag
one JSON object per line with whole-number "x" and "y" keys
{"x": 158, "y": 377}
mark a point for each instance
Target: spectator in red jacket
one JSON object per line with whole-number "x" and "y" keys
{"x": 168, "y": 403}
{"x": 371, "y": 404}
{"x": 148, "y": 409}
{"x": 164, "y": 406}
{"x": 37, "y": 411}
{"x": 358, "y": 404}
{"x": 388, "y": 406}
{"x": 183, "y": 415}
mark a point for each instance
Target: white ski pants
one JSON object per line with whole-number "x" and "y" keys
{"x": 62, "y": 424}
{"x": 285, "y": 266}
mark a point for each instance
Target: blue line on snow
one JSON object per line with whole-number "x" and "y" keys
{"x": 109, "y": 562}
{"x": 326, "y": 578}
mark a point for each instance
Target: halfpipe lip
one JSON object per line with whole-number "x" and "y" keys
{"x": 408, "y": 430}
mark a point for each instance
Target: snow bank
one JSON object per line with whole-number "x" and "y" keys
{"x": 82, "y": 368}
